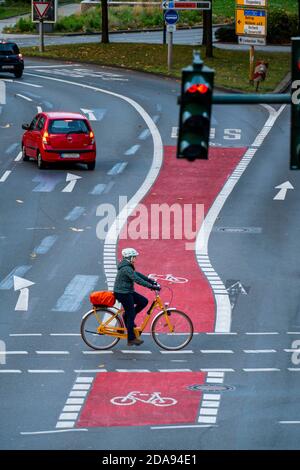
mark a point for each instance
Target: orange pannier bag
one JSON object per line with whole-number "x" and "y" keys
{"x": 102, "y": 298}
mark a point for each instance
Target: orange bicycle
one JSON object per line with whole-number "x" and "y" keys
{"x": 103, "y": 327}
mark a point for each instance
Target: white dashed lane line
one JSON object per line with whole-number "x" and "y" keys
{"x": 117, "y": 169}
{"x": 216, "y": 351}
{"x": 132, "y": 150}
{"x": 5, "y": 176}
{"x": 74, "y": 402}
{"x": 18, "y": 157}
{"x": 46, "y": 371}
{"x": 52, "y": 352}
{"x": 211, "y": 379}
{"x": 24, "y": 97}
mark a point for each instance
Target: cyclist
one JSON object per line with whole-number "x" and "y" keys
{"x": 124, "y": 292}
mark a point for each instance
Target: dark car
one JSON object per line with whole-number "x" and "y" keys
{"x": 11, "y": 60}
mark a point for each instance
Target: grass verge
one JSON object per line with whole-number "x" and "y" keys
{"x": 231, "y": 67}
{"x": 8, "y": 12}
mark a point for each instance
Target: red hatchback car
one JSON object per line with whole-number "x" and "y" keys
{"x": 59, "y": 137}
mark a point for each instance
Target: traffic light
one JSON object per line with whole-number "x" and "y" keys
{"x": 195, "y": 110}
{"x": 295, "y": 126}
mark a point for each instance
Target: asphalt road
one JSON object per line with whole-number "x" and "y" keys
{"x": 181, "y": 36}
{"x": 249, "y": 373}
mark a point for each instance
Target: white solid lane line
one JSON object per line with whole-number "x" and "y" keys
{"x": 51, "y": 432}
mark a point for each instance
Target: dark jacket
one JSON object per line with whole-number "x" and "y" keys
{"x": 127, "y": 276}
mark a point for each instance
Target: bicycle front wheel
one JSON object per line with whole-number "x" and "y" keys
{"x": 172, "y": 330}
{"x": 89, "y": 329}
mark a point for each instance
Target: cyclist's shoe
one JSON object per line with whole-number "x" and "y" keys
{"x": 135, "y": 341}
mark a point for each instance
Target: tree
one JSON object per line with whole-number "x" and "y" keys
{"x": 105, "y": 38}
{"x": 207, "y": 31}
{"x": 298, "y": 17}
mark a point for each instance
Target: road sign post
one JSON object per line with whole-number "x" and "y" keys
{"x": 251, "y": 26}
{"x": 43, "y": 12}
{"x": 171, "y": 18}
{"x": 41, "y": 35}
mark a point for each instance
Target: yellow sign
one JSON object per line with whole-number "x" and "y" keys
{"x": 252, "y": 3}
{"x": 251, "y": 22}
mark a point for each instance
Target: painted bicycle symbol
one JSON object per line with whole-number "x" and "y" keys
{"x": 153, "y": 399}
{"x": 169, "y": 278}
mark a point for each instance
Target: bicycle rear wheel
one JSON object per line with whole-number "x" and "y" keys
{"x": 89, "y": 329}
{"x": 178, "y": 336}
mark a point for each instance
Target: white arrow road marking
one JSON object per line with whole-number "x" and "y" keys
{"x": 280, "y": 196}
{"x": 22, "y": 285}
{"x": 72, "y": 181}
{"x": 90, "y": 114}
{"x": 2, "y": 92}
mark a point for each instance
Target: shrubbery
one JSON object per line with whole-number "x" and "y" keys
{"x": 281, "y": 26}
{"x": 123, "y": 17}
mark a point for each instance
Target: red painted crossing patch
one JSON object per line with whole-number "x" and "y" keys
{"x": 183, "y": 183}
{"x": 140, "y": 399}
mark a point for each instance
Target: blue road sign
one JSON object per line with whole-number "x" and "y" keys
{"x": 171, "y": 16}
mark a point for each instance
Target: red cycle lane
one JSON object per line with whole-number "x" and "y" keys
{"x": 186, "y": 184}
{"x": 143, "y": 398}
{"x": 140, "y": 399}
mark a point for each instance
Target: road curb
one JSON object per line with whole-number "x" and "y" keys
{"x": 123, "y": 31}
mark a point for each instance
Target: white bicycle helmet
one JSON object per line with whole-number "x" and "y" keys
{"x": 129, "y": 253}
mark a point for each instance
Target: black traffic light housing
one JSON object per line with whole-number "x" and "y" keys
{"x": 295, "y": 106}
{"x": 195, "y": 110}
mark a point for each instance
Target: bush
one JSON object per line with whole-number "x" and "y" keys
{"x": 25, "y": 25}
{"x": 226, "y": 33}
{"x": 281, "y": 26}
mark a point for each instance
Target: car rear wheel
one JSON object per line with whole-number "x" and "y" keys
{"x": 24, "y": 156}
{"x": 40, "y": 162}
{"x": 18, "y": 74}
{"x": 91, "y": 166}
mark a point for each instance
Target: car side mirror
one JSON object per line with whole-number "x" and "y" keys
{"x": 26, "y": 127}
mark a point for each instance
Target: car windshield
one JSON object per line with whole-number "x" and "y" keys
{"x": 68, "y": 126}
{"x": 8, "y": 49}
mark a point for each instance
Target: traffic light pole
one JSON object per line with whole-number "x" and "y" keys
{"x": 271, "y": 98}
